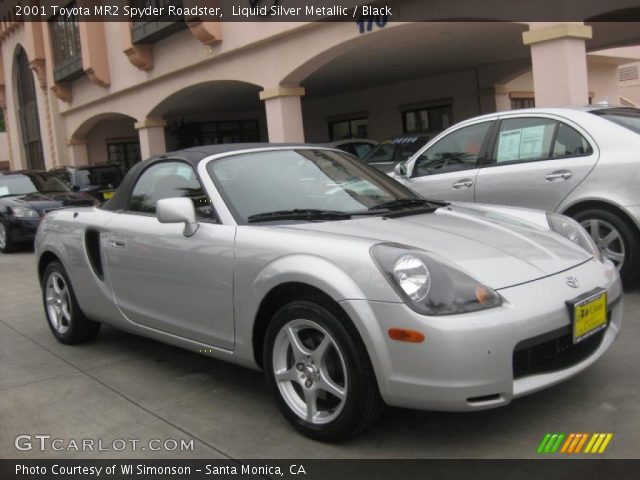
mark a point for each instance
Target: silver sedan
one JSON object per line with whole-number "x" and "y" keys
{"x": 346, "y": 288}
{"x": 581, "y": 162}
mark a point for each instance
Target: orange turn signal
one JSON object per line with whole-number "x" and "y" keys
{"x": 482, "y": 294}
{"x": 406, "y": 335}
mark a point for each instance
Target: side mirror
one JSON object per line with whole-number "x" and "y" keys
{"x": 178, "y": 210}
{"x": 400, "y": 169}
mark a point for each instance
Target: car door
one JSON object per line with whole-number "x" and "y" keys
{"x": 536, "y": 162}
{"x": 162, "y": 279}
{"x": 447, "y": 169}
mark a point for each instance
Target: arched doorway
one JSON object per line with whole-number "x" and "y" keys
{"x": 111, "y": 138}
{"x": 28, "y": 113}
{"x": 214, "y": 112}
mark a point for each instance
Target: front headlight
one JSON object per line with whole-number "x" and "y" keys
{"x": 431, "y": 285}
{"x": 24, "y": 212}
{"x": 572, "y": 230}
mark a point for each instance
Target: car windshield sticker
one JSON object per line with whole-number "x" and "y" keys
{"x": 531, "y": 142}
{"x": 521, "y": 143}
{"x": 509, "y": 145}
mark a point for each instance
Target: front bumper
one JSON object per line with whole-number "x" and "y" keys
{"x": 467, "y": 361}
{"x": 23, "y": 229}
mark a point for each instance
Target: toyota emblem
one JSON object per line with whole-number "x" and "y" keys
{"x": 572, "y": 282}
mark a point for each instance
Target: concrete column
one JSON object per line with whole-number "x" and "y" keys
{"x": 559, "y": 61}
{"x": 151, "y": 135}
{"x": 494, "y": 99}
{"x": 78, "y": 152}
{"x": 284, "y": 114}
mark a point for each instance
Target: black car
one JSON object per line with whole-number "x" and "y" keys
{"x": 100, "y": 181}
{"x": 387, "y": 154}
{"x": 26, "y": 197}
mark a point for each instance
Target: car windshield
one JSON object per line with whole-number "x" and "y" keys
{"x": 98, "y": 176}
{"x": 626, "y": 117}
{"x": 305, "y": 181}
{"x": 382, "y": 152}
{"x": 397, "y": 150}
{"x": 25, "y": 183}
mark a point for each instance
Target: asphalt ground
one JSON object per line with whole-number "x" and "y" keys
{"x": 121, "y": 386}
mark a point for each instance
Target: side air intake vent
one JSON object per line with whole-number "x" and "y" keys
{"x": 92, "y": 243}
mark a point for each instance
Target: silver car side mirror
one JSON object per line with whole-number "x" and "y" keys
{"x": 400, "y": 169}
{"x": 178, "y": 210}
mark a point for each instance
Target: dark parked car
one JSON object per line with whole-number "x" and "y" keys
{"x": 360, "y": 147}
{"x": 387, "y": 154}
{"x": 26, "y": 197}
{"x": 100, "y": 181}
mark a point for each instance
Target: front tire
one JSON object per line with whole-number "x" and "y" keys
{"x": 66, "y": 321}
{"x": 318, "y": 370}
{"x": 7, "y": 245}
{"x": 616, "y": 239}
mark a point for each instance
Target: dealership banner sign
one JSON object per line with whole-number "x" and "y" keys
{"x": 321, "y": 10}
{"x": 312, "y": 469}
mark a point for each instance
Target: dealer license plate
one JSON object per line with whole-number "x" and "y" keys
{"x": 589, "y": 315}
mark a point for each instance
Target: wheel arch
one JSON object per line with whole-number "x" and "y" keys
{"x": 279, "y": 296}
{"x": 603, "y": 205}
{"x": 45, "y": 259}
{"x": 293, "y": 277}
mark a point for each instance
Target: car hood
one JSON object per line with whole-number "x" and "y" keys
{"x": 49, "y": 200}
{"x": 498, "y": 250}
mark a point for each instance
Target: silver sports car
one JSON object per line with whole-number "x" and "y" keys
{"x": 346, "y": 288}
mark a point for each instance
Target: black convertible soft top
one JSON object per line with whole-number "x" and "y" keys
{"x": 191, "y": 155}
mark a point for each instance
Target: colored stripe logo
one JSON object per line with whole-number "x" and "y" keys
{"x": 574, "y": 443}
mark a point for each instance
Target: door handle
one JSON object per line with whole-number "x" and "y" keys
{"x": 558, "y": 175}
{"x": 464, "y": 183}
{"x": 117, "y": 243}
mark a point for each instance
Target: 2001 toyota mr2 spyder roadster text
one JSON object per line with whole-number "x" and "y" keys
{"x": 349, "y": 290}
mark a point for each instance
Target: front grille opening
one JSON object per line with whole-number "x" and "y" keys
{"x": 552, "y": 352}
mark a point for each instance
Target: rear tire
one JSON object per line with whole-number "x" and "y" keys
{"x": 617, "y": 240}
{"x": 319, "y": 372}
{"x": 66, "y": 321}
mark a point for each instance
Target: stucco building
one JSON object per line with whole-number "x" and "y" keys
{"x": 91, "y": 92}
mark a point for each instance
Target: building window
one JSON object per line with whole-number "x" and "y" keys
{"x": 124, "y": 152}
{"x": 187, "y": 134}
{"x": 524, "y": 102}
{"x": 427, "y": 119}
{"x": 627, "y": 74}
{"x": 352, "y": 128}
{"x": 212, "y": 133}
{"x": 65, "y": 42}
{"x": 154, "y": 27}
{"x": 2, "y": 126}
{"x": 27, "y": 110}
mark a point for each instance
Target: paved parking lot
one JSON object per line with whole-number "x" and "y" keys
{"x": 123, "y": 386}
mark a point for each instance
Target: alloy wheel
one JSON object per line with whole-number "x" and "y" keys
{"x": 310, "y": 371}
{"x": 607, "y": 238}
{"x": 3, "y": 237}
{"x": 58, "y": 303}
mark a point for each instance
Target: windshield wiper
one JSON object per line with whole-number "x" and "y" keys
{"x": 299, "y": 214}
{"x": 405, "y": 202}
